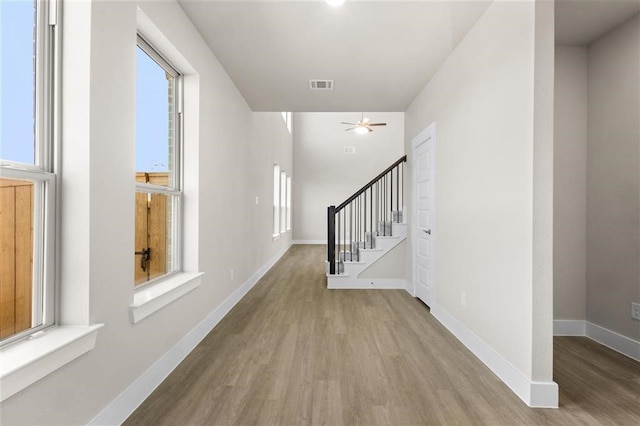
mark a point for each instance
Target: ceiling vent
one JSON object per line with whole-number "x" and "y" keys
{"x": 321, "y": 84}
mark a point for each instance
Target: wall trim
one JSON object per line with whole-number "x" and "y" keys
{"x": 534, "y": 394}
{"x": 117, "y": 411}
{"x": 322, "y": 242}
{"x": 599, "y": 334}
{"x": 569, "y": 328}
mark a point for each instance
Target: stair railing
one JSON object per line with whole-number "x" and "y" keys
{"x": 368, "y": 213}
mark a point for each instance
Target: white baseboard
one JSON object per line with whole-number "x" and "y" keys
{"x": 569, "y": 328}
{"x": 322, "y": 242}
{"x": 534, "y": 394}
{"x": 608, "y": 338}
{"x": 126, "y": 403}
{"x": 613, "y": 340}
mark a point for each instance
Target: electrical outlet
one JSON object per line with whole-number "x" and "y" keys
{"x": 635, "y": 311}
{"x": 463, "y": 299}
{"x": 232, "y": 274}
{"x": 257, "y": 200}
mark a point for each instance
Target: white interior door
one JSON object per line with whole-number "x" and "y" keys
{"x": 424, "y": 213}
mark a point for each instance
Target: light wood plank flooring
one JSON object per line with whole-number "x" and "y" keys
{"x": 294, "y": 353}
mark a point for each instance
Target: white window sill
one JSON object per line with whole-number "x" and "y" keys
{"x": 28, "y": 361}
{"x": 154, "y": 297}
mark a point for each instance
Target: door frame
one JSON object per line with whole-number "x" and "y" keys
{"x": 428, "y": 133}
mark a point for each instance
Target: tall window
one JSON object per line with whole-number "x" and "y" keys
{"x": 288, "y": 203}
{"x": 276, "y": 200}
{"x": 158, "y": 166}
{"x": 283, "y": 202}
{"x": 27, "y": 173}
{"x": 286, "y": 117}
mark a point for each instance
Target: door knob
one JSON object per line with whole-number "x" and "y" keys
{"x": 427, "y": 231}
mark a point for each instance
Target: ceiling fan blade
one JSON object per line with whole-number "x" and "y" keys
{"x": 350, "y": 124}
{"x": 377, "y": 124}
{"x": 346, "y": 130}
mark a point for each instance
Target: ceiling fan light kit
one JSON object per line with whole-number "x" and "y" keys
{"x": 363, "y": 126}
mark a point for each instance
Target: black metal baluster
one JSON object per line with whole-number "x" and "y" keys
{"x": 398, "y": 191}
{"x": 351, "y": 231}
{"x": 338, "y": 242}
{"x": 391, "y": 189}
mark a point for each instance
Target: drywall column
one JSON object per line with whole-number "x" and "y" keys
{"x": 542, "y": 288}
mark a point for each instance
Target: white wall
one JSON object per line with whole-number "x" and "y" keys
{"x": 570, "y": 184}
{"x": 484, "y": 102}
{"x": 613, "y": 180}
{"x": 324, "y": 175}
{"x": 224, "y": 229}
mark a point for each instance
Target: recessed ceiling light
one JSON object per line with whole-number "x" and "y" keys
{"x": 335, "y": 3}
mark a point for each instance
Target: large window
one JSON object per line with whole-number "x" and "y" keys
{"x": 158, "y": 166}
{"x": 27, "y": 172}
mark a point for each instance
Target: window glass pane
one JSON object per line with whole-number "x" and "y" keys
{"x": 283, "y": 202}
{"x": 153, "y": 237}
{"x": 16, "y": 256}
{"x": 276, "y": 199}
{"x": 288, "y": 203}
{"x": 17, "y": 81}
{"x": 155, "y": 122}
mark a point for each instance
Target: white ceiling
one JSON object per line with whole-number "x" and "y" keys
{"x": 380, "y": 53}
{"x": 579, "y": 22}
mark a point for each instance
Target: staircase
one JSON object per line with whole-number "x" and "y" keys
{"x": 364, "y": 229}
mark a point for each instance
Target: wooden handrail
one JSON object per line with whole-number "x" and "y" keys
{"x": 370, "y": 184}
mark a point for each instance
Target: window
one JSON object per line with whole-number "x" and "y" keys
{"x": 286, "y": 117}
{"x": 288, "y": 203}
{"x": 27, "y": 172}
{"x": 283, "y": 202}
{"x": 276, "y": 200}
{"x": 158, "y": 166}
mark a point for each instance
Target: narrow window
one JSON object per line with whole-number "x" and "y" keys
{"x": 283, "y": 202}
{"x": 27, "y": 173}
{"x": 288, "y": 203}
{"x": 158, "y": 166}
{"x": 276, "y": 200}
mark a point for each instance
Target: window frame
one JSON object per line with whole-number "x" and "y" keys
{"x": 42, "y": 173}
{"x": 174, "y": 189}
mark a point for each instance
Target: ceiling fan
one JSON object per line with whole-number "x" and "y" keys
{"x": 363, "y": 126}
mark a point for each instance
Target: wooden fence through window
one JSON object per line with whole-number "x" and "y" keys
{"x": 152, "y": 216}
{"x": 16, "y": 255}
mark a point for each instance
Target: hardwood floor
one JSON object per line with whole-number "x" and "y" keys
{"x": 294, "y": 353}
